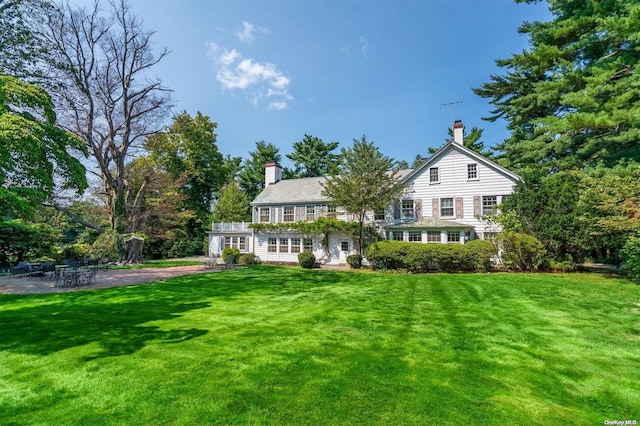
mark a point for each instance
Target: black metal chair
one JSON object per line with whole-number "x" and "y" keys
{"x": 18, "y": 270}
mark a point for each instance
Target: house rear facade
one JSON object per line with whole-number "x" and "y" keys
{"x": 446, "y": 201}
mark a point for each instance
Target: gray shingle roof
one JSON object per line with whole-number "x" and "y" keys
{"x": 292, "y": 191}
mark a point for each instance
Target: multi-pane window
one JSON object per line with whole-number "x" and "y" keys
{"x": 242, "y": 244}
{"x": 415, "y": 236}
{"x": 288, "y": 214}
{"x": 236, "y": 242}
{"x": 397, "y": 236}
{"x": 433, "y": 175}
{"x": 472, "y": 171}
{"x": 490, "y": 236}
{"x": 265, "y": 215}
{"x": 489, "y": 205}
{"x": 295, "y": 245}
{"x": 407, "y": 209}
{"x": 227, "y": 242}
{"x": 331, "y": 212}
{"x": 453, "y": 236}
{"x": 272, "y": 245}
{"x": 311, "y": 213}
{"x": 378, "y": 215}
{"x": 446, "y": 207}
{"x": 284, "y": 245}
{"x": 344, "y": 246}
{"x": 307, "y": 245}
{"x": 434, "y": 237}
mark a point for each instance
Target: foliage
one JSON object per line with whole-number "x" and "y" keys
{"x": 572, "y": 100}
{"x": 230, "y": 255}
{"x": 188, "y": 152}
{"x": 521, "y": 251}
{"x": 20, "y": 241}
{"x": 548, "y": 208}
{"x": 249, "y": 259}
{"x": 364, "y": 182}
{"x": 107, "y": 246}
{"x": 313, "y": 157}
{"x": 232, "y": 205}
{"x": 77, "y": 251}
{"x": 102, "y": 84}
{"x": 251, "y": 178}
{"x": 35, "y": 158}
{"x": 420, "y": 258}
{"x": 630, "y": 254}
{"x": 307, "y": 260}
{"x": 355, "y": 261}
{"x": 483, "y": 252}
{"x": 470, "y": 140}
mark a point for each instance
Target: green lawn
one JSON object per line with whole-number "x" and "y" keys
{"x": 272, "y": 345}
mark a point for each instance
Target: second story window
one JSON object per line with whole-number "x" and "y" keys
{"x": 407, "y": 209}
{"x": 434, "y": 176}
{"x": 265, "y": 215}
{"x": 446, "y": 207}
{"x": 311, "y": 213}
{"x": 287, "y": 214}
{"x": 472, "y": 171}
{"x": 489, "y": 205}
{"x": 331, "y": 212}
{"x": 378, "y": 215}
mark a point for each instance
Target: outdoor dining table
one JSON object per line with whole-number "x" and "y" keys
{"x": 74, "y": 277}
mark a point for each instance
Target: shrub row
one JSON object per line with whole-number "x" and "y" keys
{"x": 416, "y": 257}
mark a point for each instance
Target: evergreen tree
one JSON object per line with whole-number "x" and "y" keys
{"x": 251, "y": 177}
{"x": 363, "y": 182}
{"x": 573, "y": 99}
{"x": 313, "y": 157}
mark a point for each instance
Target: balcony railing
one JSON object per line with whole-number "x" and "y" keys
{"x": 230, "y": 227}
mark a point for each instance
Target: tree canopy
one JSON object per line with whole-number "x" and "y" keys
{"x": 573, "y": 99}
{"x": 34, "y": 157}
{"x": 251, "y": 177}
{"x": 313, "y": 157}
{"x": 232, "y": 205}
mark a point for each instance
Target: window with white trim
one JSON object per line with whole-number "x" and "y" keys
{"x": 284, "y": 245}
{"x": 398, "y": 235}
{"x": 272, "y": 245}
{"x": 408, "y": 211}
{"x": 446, "y": 207}
{"x": 489, "y": 205}
{"x": 453, "y": 236}
{"x": 378, "y": 215}
{"x": 307, "y": 245}
{"x": 295, "y": 245}
{"x": 472, "y": 171}
{"x": 415, "y": 236}
{"x": 311, "y": 213}
{"x": 242, "y": 244}
{"x": 434, "y": 176}
{"x": 265, "y": 214}
{"x": 332, "y": 213}
{"x": 288, "y": 214}
{"x": 434, "y": 237}
{"x": 344, "y": 246}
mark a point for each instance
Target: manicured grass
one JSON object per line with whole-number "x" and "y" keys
{"x": 271, "y": 345}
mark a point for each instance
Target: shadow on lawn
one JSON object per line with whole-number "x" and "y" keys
{"x": 114, "y": 318}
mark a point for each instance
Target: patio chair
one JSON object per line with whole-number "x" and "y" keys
{"x": 48, "y": 270}
{"x": 18, "y": 270}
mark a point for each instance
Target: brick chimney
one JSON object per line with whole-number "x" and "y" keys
{"x": 458, "y": 131}
{"x": 272, "y": 173}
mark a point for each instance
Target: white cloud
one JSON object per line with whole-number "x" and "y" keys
{"x": 364, "y": 45}
{"x": 259, "y": 80}
{"x": 246, "y": 35}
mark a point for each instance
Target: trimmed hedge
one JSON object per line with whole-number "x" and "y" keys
{"x": 355, "y": 261}
{"x": 307, "y": 260}
{"x": 249, "y": 259}
{"x": 417, "y": 257}
{"x": 230, "y": 255}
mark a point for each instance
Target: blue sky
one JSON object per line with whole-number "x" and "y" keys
{"x": 276, "y": 70}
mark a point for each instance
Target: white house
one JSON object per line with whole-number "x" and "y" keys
{"x": 445, "y": 201}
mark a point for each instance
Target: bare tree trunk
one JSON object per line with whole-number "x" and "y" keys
{"x": 133, "y": 250}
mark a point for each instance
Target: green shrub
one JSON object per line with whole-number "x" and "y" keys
{"x": 306, "y": 260}
{"x": 387, "y": 255}
{"x": 249, "y": 259}
{"x": 106, "y": 247}
{"x": 521, "y": 251}
{"x": 482, "y": 252}
{"x": 630, "y": 255}
{"x": 355, "y": 261}
{"x": 230, "y": 255}
{"x": 76, "y": 251}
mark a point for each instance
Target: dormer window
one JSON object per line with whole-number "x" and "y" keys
{"x": 434, "y": 176}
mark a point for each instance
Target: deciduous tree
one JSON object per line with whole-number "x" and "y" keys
{"x": 364, "y": 182}
{"x": 232, "y": 206}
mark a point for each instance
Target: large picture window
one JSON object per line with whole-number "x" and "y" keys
{"x": 446, "y": 207}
